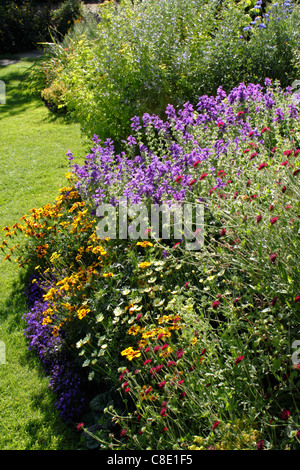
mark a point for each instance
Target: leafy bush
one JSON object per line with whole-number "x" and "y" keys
{"x": 65, "y": 16}
{"x": 198, "y": 343}
{"x": 149, "y": 54}
{"x": 25, "y": 23}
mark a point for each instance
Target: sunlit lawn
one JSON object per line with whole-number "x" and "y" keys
{"x": 33, "y": 144}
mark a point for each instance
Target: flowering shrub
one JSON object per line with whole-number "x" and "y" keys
{"x": 198, "y": 343}
{"x": 148, "y": 54}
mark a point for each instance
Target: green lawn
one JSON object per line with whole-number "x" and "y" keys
{"x": 33, "y": 144}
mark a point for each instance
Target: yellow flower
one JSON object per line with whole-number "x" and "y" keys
{"x": 134, "y": 330}
{"x": 142, "y": 343}
{"x": 55, "y": 331}
{"x": 99, "y": 250}
{"x": 49, "y": 294}
{"x": 54, "y": 257}
{"x": 107, "y": 274}
{"x": 144, "y": 244}
{"x": 82, "y": 312}
{"x": 166, "y": 352}
{"x": 130, "y": 353}
{"x": 144, "y": 264}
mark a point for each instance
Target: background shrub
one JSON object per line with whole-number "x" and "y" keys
{"x": 25, "y": 23}
{"x": 145, "y": 55}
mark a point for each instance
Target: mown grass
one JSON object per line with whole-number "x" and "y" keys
{"x": 33, "y": 144}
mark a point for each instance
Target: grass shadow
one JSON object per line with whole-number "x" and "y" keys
{"x": 18, "y": 96}
{"x": 16, "y": 305}
{"x": 20, "y": 91}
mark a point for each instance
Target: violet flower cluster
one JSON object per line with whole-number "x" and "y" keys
{"x": 65, "y": 379}
{"x": 162, "y": 170}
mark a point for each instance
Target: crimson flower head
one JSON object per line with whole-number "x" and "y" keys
{"x": 215, "y": 425}
{"x": 260, "y": 445}
{"x": 203, "y": 176}
{"x": 179, "y": 178}
{"x": 215, "y": 304}
{"x": 262, "y": 165}
{"x": 179, "y": 353}
{"x": 79, "y": 426}
{"x": 196, "y": 163}
{"x": 287, "y": 152}
{"x": 239, "y": 359}
{"x": 171, "y": 363}
{"x": 223, "y": 232}
{"x": 296, "y": 172}
{"x": 265, "y": 129}
{"x": 297, "y": 298}
{"x": 258, "y": 218}
{"x": 273, "y": 220}
{"x": 273, "y": 257}
{"x": 285, "y": 415}
{"x": 296, "y": 152}
{"x": 192, "y": 182}
{"x": 220, "y": 124}
{"x": 236, "y": 300}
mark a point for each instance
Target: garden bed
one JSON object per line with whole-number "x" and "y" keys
{"x": 164, "y": 335}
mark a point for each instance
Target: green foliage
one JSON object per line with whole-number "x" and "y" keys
{"x": 24, "y": 24}
{"x": 65, "y": 16}
{"x": 145, "y": 55}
